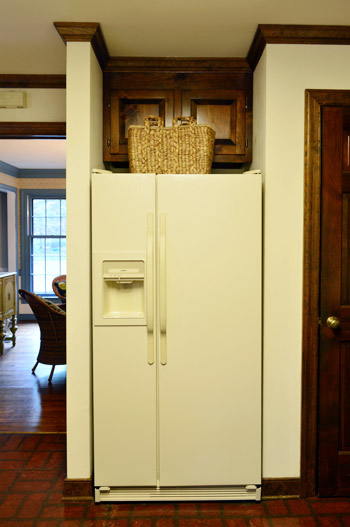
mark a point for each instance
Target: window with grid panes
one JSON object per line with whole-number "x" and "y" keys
{"x": 47, "y": 242}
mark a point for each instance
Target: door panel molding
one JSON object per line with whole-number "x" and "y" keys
{"x": 314, "y": 101}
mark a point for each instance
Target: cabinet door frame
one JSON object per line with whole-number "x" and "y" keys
{"x": 234, "y": 100}
{"x": 122, "y": 100}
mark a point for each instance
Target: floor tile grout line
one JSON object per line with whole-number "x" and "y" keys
{"x": 9, "y": 492}
{"x": 48, "y": 492}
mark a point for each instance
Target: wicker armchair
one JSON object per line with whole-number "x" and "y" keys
{"x": 52, "y": 323}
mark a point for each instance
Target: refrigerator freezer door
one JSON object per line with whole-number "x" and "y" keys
{"x": 210, "y": 386}
{"x": 124, "y": 372}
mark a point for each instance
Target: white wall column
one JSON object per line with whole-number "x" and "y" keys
{"x": 84, "y": 152}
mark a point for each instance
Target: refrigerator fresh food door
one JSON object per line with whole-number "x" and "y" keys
{"x": 209, "y": 296}
{"x": 124, "y": 370}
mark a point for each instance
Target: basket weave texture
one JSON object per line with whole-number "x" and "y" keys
{"x": 186, "y": 148}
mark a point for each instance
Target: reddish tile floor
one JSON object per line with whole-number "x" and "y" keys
{"x": 32, "y": 470}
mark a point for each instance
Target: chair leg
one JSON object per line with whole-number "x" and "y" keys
{"x": 51, "y": 374}
{"x": 33, "y": 370}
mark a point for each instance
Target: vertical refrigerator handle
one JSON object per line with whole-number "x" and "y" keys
{"x": 162, "y": 287}
{"x": 150, "y": 288}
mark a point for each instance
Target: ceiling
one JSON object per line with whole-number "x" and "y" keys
{"x": 34, "y": 153}
{"x": 30, "y": 44}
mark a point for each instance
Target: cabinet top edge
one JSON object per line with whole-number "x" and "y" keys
{"x": 195, "y": 64}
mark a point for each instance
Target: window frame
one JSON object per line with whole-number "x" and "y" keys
{"x": 26, "y": 197}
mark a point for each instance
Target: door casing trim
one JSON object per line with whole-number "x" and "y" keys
{"x": 314, "y": 101}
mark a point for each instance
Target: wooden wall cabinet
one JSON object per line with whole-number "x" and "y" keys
{"x": 222, "y": 99}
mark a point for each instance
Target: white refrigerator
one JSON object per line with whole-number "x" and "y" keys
{"x": 176, "y": 266}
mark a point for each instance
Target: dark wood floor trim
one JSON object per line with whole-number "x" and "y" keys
{"x": 78, "y": 489}
{"x": 85, "y": 32}
{"x": 314, "y": 101}
{"x": 280, "y": 487}
{"x": 33, "y": 81}
{"x": 295, "y": 34}
{"x": 194, "y": 64}
{"x": 32, "y": 130}
{"x": 271, "y": 488}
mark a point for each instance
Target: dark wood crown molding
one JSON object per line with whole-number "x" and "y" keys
{"x": 265, "y": 34}
{"x": 295, "y": 34}
{"x": 32, "y": 130}
{"x": 169, "y": 64}
{"x": 85, "y": 32}
{"x": 33, "y": 81}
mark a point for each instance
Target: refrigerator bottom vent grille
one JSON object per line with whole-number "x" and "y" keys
{"x": 177, "y": 493}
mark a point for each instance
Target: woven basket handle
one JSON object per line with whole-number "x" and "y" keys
{"x": 153, "y": 121}
{"x": 185, "y": 120}
{"x": 190, "y": 122}
{"x": 156, "y": 123}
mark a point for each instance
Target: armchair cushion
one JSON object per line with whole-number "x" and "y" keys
{"x": 61, "y": 287}
{"x": 53, "y": 306}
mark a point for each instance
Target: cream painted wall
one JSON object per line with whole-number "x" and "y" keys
{"x": 42, "y": 105}
{"x": 84, "y": 152}
{"x": 281, "y": 78}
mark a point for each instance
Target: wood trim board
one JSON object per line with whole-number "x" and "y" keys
{"x": 32, "y": 130}
{"x": 85, "y": 32}
{"x": 169, "y": 64}
{"x": 280, "y": 487}
{"x": 77, "y": 489}
{"x": 295, "y": 34}
{"x": 33, "y": 81}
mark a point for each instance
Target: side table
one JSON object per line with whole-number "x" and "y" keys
{"x": 8, "y": 297}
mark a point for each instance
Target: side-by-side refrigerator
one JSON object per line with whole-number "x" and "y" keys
{"x": 176, "y": 336}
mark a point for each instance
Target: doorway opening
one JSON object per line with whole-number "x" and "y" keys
{"x": 27, "y": 402}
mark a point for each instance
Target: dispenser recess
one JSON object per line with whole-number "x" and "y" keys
{"x": 120, "y": 294}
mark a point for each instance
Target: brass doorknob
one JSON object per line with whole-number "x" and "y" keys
{"x": 333, "y": 322}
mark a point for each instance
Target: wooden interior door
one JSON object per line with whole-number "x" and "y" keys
{"x": 334, "y": 372}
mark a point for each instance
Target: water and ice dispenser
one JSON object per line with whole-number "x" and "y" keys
{"x": 119, "y": 292}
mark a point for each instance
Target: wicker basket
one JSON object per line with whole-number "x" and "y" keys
{"x": 186, "y": 148}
